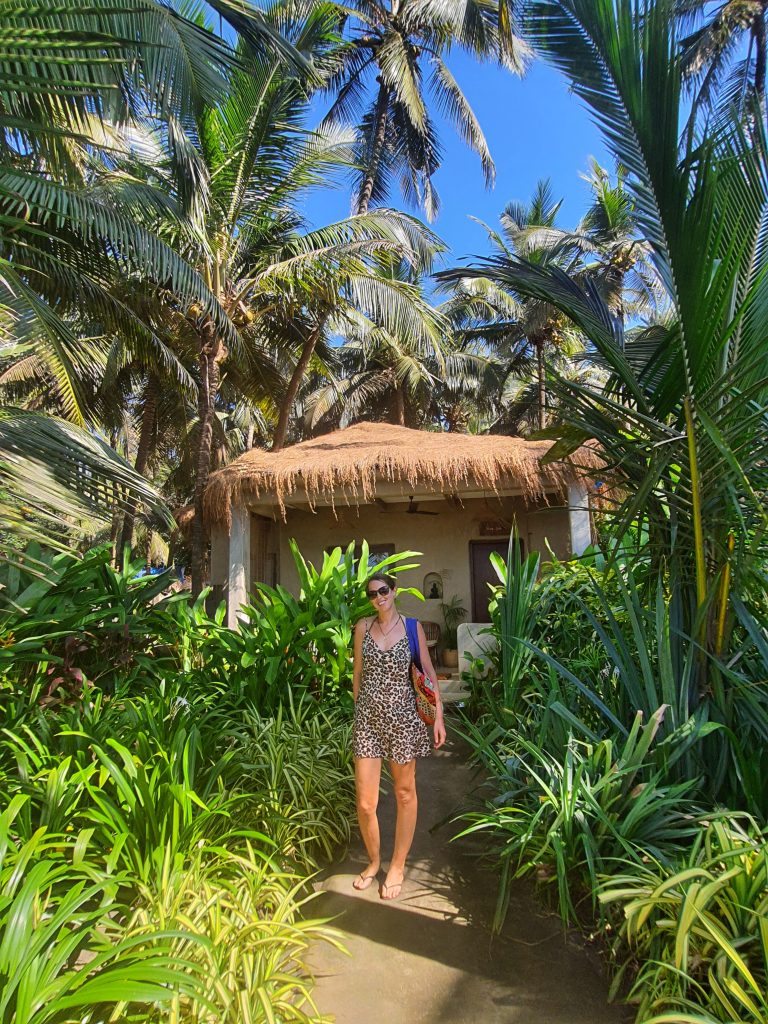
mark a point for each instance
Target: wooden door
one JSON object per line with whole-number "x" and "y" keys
{"x": 482, "y": 573}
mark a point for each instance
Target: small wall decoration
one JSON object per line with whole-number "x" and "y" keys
{"x": 433, "y": 587}
{"x": 493, "y": 528}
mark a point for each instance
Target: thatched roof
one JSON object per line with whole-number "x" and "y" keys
{"x": 185, "y": 517}
{"x": 346, "y": 466}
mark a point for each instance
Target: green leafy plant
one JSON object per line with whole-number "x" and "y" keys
{"x": 514, "y": 617}
{"x": 699, "y": 928}
{"x": 453, "y": 613}
{"x": 568, "y": 819}
{"x": 645, "y": 660}
{"x": 298, "y": 766}
{"x": 242, "y": 922}
{"x": 292, "y": 645}
{"x": 84, "y": 621}
{"x": 64, "y": 950}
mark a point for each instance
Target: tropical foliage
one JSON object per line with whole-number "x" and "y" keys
{"x": 623, "y": 722}
{"x": 700, "y": 928}
{"x": 524, "y": 334}
{"x": 166, "y": 796}
{"x": 87, "y": 623}
{"x": 164, "y": 307}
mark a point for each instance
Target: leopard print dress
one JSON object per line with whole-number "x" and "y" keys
{"x": 386, "y": 722}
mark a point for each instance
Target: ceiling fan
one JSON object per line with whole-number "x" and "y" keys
{"x": 414, "y": 510}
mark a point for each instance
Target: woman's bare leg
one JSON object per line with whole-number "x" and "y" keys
{"x": 404, "y": 779}
{"x": 367, "y": 781}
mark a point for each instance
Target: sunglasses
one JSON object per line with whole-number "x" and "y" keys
{"x": 381, "y": 592}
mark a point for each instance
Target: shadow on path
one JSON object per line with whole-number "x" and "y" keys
{"x": 429, "y": 957}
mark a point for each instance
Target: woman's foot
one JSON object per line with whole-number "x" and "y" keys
{"x": 393, "y": 884}
{"x": 366, "y": 877}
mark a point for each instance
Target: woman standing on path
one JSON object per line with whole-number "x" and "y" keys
{"x": 387, "y": 725}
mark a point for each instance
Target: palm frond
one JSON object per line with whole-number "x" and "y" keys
{"x": 455, "y": 106}
{"x": 54, "y": 475}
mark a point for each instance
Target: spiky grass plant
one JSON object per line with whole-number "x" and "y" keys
{"x": 299, "y": 768}
{"x": 568, "y": 819}
{"x": 699, "y": 929}
{"x": 241, "y": 922}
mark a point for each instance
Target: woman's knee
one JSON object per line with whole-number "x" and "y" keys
{"x": 367, "y": 804}
{"x": 405, "y": 792}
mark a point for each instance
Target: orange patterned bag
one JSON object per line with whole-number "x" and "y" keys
{"x": 426, "y": 700}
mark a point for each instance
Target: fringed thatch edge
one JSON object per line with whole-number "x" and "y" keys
{"x": 356, "y": 485}
{"x": 185, "y": 517}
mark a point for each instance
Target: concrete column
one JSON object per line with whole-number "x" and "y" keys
{"x": 579, "y": 518}
{"x": 239, "y": 563}
{"x": 219, "y": 556}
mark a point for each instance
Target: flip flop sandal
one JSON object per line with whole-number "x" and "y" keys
{"x": 385, "y": 889}
{"x": 365, "y": 881}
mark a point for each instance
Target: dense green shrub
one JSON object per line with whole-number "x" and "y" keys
{"x": 167, "y": 795}
{"x": 568, "y": 820}
{"x": 83, "y": 620}
{"x": 605, "y": 762}
{"x": 633, "y": 657}
{"x": 168, "y": 853}
{"x": 696, "y": 932}
{"x": 88, "y": 623}
{"x": 241, "y": 923}
{"x": 297, "y": 769}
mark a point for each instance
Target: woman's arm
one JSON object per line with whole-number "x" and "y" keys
{"x": 357, "y": 666}
{"x": 428, "y": 668}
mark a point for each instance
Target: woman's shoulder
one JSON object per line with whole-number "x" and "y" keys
{"x": 363, "y": 625}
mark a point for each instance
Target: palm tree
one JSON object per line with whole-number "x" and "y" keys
{"x": 718, "y": 35}
{"x": 73, "y": 85}
{"x": 607, "y": 244}
{"x": 378, "y": 377}
{"x": 363, "y": 293}
{"x": 501, "y": 387}
{"x": 397, "y": 47}
{"x": 387, "y": 368}
{"x": 275, "y": 285}
{"x": 521, "y": 330}
{"x": 683, "y": 414}
{"x": 137, "y": 392}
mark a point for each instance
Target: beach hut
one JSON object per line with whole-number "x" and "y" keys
{"x": 453, "y": 497}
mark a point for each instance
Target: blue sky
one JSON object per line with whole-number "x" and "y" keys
{"x": 535, "y": 129}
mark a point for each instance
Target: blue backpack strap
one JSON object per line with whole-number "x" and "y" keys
{"x": 413, "y": 640}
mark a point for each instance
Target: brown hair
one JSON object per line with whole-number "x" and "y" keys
{"x": 384, "y": 577}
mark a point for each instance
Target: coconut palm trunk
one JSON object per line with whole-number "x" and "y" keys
{"x": 211, "y": 353}
{"x": 379, "y": 136}
{"x": 400, "y": 404}
{"x": 539, "y": 346}
{"x": 297, "y": 376}
{"x": 146, "y": 435}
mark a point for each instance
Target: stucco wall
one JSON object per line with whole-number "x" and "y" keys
{"x": 443, "y": 539}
